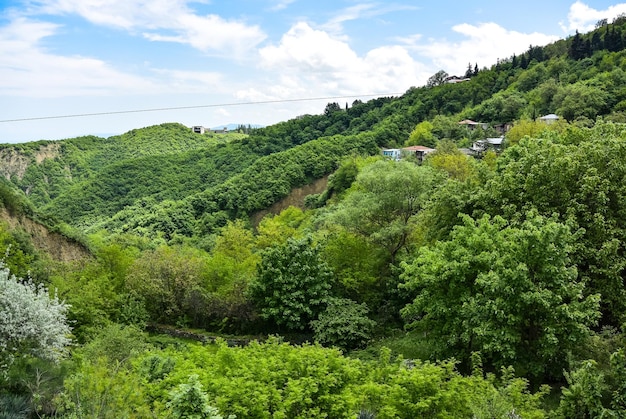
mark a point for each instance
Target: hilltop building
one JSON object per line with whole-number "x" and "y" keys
{"x": 550, "y": 118}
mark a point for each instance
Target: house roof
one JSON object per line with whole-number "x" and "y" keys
{"x": 549, "y": 117}
{"x": 495, "y": 141}
{"x": 419, "y": 148}
{"x": 468, "y": 122}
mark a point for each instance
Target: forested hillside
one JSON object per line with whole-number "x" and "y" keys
{"x": 478, "y": 283}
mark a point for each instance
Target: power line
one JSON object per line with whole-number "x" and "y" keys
{"x": 176, "y": 108}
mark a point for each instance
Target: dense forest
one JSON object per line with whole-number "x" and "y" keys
{"x": 485, "y": 284}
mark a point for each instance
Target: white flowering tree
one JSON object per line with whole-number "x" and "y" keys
{"x": 31, "y": 322}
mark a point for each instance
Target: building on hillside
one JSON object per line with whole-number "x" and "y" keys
{"x": 419, "y": 151}
{"x": 488, "y": 143}
{"x": 393, "y": 153}
{"x": 198, "y": 129}
{"x": 503, "y": 128}
{"x": 471, "y": 125}
{"x": 550, "y": 118}
{"x": 455, "y": 79}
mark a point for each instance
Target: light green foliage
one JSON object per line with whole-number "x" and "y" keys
{"x": 508, "y": 291}
{"x": 232, "y": 259}
{"x": 101, "y": 389}
{"x": 188, "y": 401}
{"x": 103, "y": 384}
{"x": 447, "y": 128}
{"x": 532, "y": 129}
{"x": 231, "y": 266}
{"x": 91, "y": 293}
{"x": 269, "y": 380}
{"x": 115, "y": 343}
{"x": 17, "y": 252}
{"x": 583, "y": 397}
{"x": 279, "y": 380}
{"x": 275, "y": 230}
{"x": 384, "y": 199}
{"x": 344, "y": 323}
{"x": 357, "y": 264}
{"x": 457, "y": 165}
{"x": 293, "y": 284}
{"x": 501, "y": 108}
{"x": 422, "y": 134}
{"x": 32, "y": 323}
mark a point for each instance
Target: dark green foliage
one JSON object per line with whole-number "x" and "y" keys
{"x": 14, "y": 406}
{"x": 507, "y": 291}
{"x": 293, "y": 284}
{"x": 344, "y": 323}
{"x": 580, "y": 179}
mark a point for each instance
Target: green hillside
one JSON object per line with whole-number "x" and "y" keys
{"x": 484, "y": 283}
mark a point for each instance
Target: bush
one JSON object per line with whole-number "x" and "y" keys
{"x": 344, "y": 324}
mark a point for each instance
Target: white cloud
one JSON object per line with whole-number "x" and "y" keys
{"x": 164, "y": 20}
{"x": 183, "y": 81}
{"x": 27, "y": 69}
{"x": 583, "y": 18}
{"x": 360, "y": 11}
{"x": 281, "y": 4}
{"x": 311, "y": 63}
{"x": 483, "y": 44}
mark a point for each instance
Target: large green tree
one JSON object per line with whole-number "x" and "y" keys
{"x": 384, "y": 200}
{"x": 293, "y": 284}
{"x": 507, "y": 291}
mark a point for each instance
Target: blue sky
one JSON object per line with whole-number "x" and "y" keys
{"x": 67, "y": 57}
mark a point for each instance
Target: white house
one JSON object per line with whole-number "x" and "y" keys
{"x": 393, "y": 153}
{"x": 483, "y": 145}
{"x": 198, "y": 129}
{"x": 549, "y": 119}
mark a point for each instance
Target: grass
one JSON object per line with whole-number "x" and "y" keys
{"x": 409, "y": 345}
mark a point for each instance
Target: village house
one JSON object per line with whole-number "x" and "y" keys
{"x": 488, "y": 143}
{"x": 549, "y": 119}
{"x": 198, "y": 129}
{"x": 471, "y": 125}
{"x": 417, "y": 151}
{"x": 456, "y": 79}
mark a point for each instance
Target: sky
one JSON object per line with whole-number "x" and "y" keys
{"x": 245, "y": 61}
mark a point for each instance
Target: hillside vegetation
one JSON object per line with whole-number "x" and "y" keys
{"x": 484, "y": 285}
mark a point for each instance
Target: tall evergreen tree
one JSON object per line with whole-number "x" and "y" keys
{"x": 577, "y": 47}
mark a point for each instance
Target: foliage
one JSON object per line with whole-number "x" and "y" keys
{"x": 190, "y": 402}
{"x": 31, "y": 322}
{"x": 422, "y": 134}
{"x": 344, "y": 323}
{"x": 279, "y": 380}
{"x": 171, "y": 283}
{"x": 507, "y": 291}
{"x": 293, "y": 284}
{"x": 579, "y": 177}
{"x": 384, "y": 199}
{"x": 457, "y": 165}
